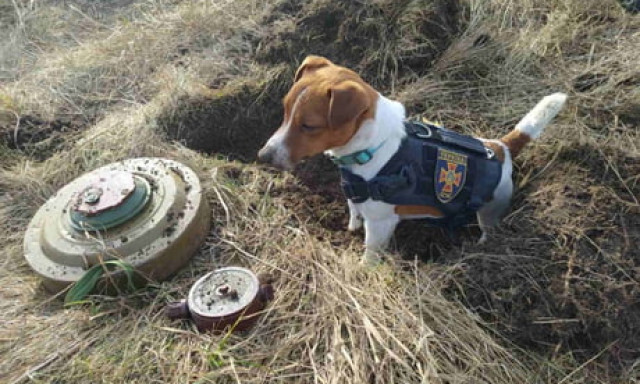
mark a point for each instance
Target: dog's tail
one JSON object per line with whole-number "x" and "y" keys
{"x": 534, "y": 122}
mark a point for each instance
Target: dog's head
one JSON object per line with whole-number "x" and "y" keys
{"x": 324, "y": 108}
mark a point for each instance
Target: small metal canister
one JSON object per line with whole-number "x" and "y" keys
{"x": 225, "y": 298}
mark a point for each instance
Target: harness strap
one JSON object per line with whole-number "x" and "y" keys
{"x": 378, "y": 188}
{"x": 423, "y": 130}
{"x": 381, "y": 188}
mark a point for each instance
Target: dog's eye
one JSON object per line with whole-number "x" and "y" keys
{"x": 307, "y": 128}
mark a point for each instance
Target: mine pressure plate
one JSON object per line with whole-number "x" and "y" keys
{"x": 147, "y": 212}
{"x": 227, "y": 297}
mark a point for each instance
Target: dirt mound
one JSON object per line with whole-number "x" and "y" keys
{"x": 380, "y": 40}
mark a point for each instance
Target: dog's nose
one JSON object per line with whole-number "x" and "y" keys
{"x": 265, "y": 155}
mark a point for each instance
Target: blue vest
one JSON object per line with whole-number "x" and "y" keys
{"x": 435, "y": 167}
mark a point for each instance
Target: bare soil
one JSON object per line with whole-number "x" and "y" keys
{"x": 40, "y": 138}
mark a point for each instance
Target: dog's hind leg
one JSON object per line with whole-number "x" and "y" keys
{"x": 490, "y": 214}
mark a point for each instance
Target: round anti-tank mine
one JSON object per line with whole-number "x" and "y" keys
{"x": 148, "y": 212}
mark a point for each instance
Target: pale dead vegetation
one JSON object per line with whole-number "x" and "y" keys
{"x": 552, "y": 298}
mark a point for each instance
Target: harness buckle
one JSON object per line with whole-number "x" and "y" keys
{"x": 363, "y": 157}
{"x": 375, "y": 190}
{"x": 418, "y": 129}
{"x": 425, "y": 132}
{"x": 424, "y": 135}
{"x": 348, "y": 191}
{"x": 490, "y": 153}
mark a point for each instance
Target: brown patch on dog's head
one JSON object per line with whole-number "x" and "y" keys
{"x": 310, "y": 64}
{"x": 324, "y": 108}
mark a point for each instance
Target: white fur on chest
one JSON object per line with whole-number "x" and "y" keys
{"x": 386, "y": 127}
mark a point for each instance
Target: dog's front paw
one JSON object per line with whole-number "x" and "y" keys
{"x": 371, "y": 258}
{"x": 355, "y": 223}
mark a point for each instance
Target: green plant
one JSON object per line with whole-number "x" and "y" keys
{"x": 87, "y": 283}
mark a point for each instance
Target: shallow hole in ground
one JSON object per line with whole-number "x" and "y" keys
{"x": 234, "y": 120}
{"x": 382, "y": 40}
{"x": 39, "y": 138}
{"x": 376, "y": 40}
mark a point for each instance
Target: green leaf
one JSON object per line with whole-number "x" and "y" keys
{"x": 84, "y": 286}
{"x": 126, "y": 268}
{"x": 88, "y": 281}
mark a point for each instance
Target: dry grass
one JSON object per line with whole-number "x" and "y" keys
{"x": 552, "y": 298}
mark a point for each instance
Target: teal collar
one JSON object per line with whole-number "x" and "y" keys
{"x": 360, "y": 157}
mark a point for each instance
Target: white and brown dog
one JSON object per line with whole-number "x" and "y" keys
{"x": 331, "y": 109}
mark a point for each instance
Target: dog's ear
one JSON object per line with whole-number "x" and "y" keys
{"x": 311, "y": 63}
{"x": 347, "y": 101}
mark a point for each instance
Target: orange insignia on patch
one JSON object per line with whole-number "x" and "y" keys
{"x": 450, "y": 178}
{"x": 451, "y": 172}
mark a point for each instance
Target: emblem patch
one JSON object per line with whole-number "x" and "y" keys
{"x": 451, "y": 174}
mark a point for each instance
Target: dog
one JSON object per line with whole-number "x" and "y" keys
{"x": 330, "y": 109}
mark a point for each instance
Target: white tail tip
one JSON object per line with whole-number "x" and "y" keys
{"x": 539, "y": 117}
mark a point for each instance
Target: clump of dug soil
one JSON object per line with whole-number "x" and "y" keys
{"x": 381, "y": 40}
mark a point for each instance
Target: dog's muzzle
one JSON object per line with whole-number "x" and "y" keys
{"x": 266, "y": 155}
{"x": 276, "y": 156}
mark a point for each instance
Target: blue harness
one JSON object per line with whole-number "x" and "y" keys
{"x": 434, "y": 167}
